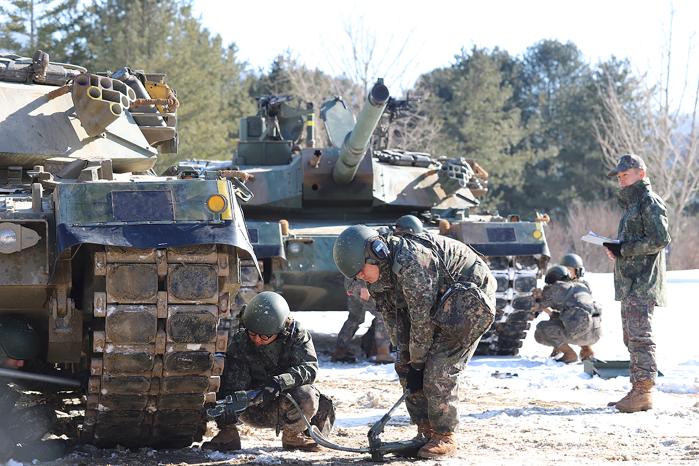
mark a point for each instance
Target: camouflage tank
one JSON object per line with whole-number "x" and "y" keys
{"x": 124, "y": 274}
{"x": 305, "y": 196}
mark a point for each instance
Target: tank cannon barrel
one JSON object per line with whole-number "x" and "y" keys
{"x": 357, "y": 141}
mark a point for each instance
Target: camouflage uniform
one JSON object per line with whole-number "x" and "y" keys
{"x": 578, "y": 320}
{"x": 357, "y": 309}
{"x": 639, "y": 273}
{"x": 443, "y": 338}
{"x": 292, "y": 358}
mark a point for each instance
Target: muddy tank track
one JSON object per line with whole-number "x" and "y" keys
{"x": 154, "y": 342}
{"x": 516, "y": 278}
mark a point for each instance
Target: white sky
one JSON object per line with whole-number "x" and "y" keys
{"x": 436, "y": 30}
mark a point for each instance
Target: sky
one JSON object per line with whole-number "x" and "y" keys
{"x": 428, "y": 34}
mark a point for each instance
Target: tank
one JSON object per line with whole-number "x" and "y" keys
{"x": 126, "y": 276}
{"x": 306, "y": 194}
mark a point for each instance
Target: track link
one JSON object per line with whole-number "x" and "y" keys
{"x": 516, "y": 278}
{"x": 154, "y": 342}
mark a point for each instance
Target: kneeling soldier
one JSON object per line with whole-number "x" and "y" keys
{"x": 574, "y": 317}
{"x": 275, "y": 353}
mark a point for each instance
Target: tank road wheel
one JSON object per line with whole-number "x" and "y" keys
{"x": 154, "y": 342}
{"x": 516, "y": 277}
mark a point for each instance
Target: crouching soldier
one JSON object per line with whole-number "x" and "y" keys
{"x": 574, "y": 317}
{"x": 274, "y": 353}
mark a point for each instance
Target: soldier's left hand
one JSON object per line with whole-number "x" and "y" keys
{"x": 364, "y": 294}
{"x": 271, "y": 391}
{"x": 415, "y": 379}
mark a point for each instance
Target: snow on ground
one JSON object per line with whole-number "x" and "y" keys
{"x": 582, "y": 398}
{"x": 513, "y": 410}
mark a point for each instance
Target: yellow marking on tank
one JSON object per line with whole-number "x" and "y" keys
{"x": 227, "y": 214}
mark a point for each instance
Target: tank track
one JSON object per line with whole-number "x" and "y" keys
{"x": 154, "y": 341}
{"x": 516, "y": 278}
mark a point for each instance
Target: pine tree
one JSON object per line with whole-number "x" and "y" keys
{"x": 49, "y": 25}
{"x": 164, "y": 37}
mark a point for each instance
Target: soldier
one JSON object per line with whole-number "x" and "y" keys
{"x": 21, "y": 430}
{"x": 275, "y": 353}
{"x": 639, "y": 274}
{"x": 437, "y": 297}
{"x": 408, "y": 224}
{"x": 574, "y": 317}
{"x": 576, "y": 269}
{"x": 359, "y": 302}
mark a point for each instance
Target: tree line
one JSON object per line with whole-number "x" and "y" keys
{"x": 545, "y": 124}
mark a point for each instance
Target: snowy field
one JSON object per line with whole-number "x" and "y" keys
{"x": 522, "y": 410}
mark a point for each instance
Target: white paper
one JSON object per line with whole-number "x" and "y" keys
{"x": 594, "y": 238}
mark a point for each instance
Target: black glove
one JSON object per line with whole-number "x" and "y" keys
{"x": 615, "y": 248}
{"x": 415, "y": 379}
{"x": 271, "y": 391}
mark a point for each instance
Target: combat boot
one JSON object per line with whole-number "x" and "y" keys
{"x": 227, "y": 439}
{"x": 586, "y": 353}
{"x": 440, "y": 445}
{"x": 383, "y": 355}
{"x": 639, "y": 398}
{"x": 298, "y": 441}
{"x": 342, "y": 354}
{"x": 569, "y": 355}
{"x": 424, "y": 431}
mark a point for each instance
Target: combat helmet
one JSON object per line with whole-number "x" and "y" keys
{"x": 555, "y": 274}
{"x": 18, "y": 339}
{"x": 575, "y": 262}
{"x": 349, "y": 250}
{"x": 266, "y": 313}
{"x": 408, "y": 224}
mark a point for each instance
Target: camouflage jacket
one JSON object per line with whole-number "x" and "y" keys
{"x": 291, "y": 358}
{"x": 643, "y": 232}
{"x": 566, "y": 296}
{"x": 419, "y": 270}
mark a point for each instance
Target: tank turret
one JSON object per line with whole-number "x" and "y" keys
{"x": 357, "y": 141}
{"x": 306, "y": 192}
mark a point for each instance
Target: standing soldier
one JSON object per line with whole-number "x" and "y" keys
{"x": 359, "y": 302}
{"x": 574, "y": 317}
{"x": 437, "y": 297}
{"x": 639, "y": 275}
{"x": 275, "y": 353}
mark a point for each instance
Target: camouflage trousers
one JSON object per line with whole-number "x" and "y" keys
{"x": 357, "y": 312}
{"x": 636, "y": 322}
{"x": 574, "y": 326}
{"x": 452, "y": 348}
{"x": 281, "y": 413}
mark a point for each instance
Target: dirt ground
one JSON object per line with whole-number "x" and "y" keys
{"x": 499, "y": 425}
